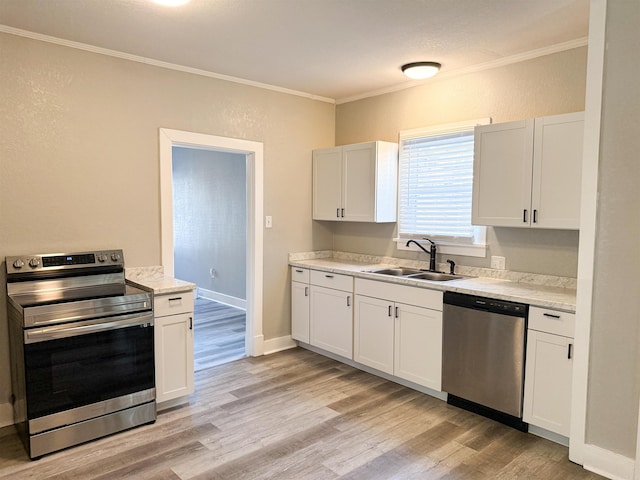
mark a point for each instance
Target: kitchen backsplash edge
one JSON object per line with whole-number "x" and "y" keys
{"x": 519, "y": 277}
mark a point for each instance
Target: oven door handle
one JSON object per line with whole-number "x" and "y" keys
{"x": 84, "y": 328}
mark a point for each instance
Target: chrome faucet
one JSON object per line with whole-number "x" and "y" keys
{"x": 431, "y": 252}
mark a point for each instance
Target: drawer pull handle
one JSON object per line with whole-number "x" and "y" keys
{"x": 299, "y": 271}
{"x": 569, "y": 351}
{"x": 329, "y": 276}
{"x": 175, "y": 299}
{"x": 557, "y": 317}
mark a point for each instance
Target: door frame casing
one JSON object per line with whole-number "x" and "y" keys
{"x": 253, "y": 152}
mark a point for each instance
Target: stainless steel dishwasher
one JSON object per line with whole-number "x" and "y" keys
{"x": 483, "y": 356}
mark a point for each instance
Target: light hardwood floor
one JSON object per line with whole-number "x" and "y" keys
{"x": 299, "y": 415}
{"x": 219, "y": 333}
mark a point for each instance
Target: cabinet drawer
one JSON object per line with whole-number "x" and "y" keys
{"x": 173, "y": 303}
{"x": 552, "y": 321}
{"x": 420, "y": 297}
{"x": 332, "y": 280}
{"x": 300, "y": 274}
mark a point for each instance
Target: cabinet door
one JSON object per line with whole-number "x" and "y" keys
{"x": 373, "y": 329}
{"x": 331, "y": 320}
{"x": 300, "y": 311}
{"x": 359, "y": 182}
{"x": 503, "y": 156}
{"x": 557, "y": 167}
{"x": 418, "y": 346}
{"x": 327, "y": 184}
{"x": 547, "y": 387}
{"x": 174, "y": 356}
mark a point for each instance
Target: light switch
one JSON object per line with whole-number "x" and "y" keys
{"x": 268, "y": 221}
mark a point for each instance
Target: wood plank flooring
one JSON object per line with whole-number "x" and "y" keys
{"x": 219, "y": 333}
{"x": 299, "y": 415}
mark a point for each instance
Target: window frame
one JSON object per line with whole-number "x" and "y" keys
{"x": 476, "y": 247}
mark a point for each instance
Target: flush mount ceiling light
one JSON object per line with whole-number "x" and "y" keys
{"x": 421, "y": 70}
{"x": 171, "y": 3}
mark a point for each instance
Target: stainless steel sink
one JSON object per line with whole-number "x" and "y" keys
{"x": 435, "y": 276}
{"x": 397, "y": 272}
{"x": 416, "y": 274}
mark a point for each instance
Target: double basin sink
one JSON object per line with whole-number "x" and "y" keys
{"x": 416, "y": 274}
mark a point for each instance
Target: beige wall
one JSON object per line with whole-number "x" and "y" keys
{"x": 614, "y": 373}
{"x": 79, "y": 165}
{"x": 547, "y": 85}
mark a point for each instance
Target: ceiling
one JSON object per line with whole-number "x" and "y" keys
{"x": 335, "y": 49}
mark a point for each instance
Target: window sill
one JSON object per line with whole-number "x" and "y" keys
{"x": 467, "y": 250}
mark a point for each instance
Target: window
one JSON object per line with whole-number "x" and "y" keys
{"x": 435, "y": 188}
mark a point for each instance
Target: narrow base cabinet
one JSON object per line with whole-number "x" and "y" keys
{"x": 398, "y": 330}
{"x": 331, "y": 313}
{"x": 173, "y": 324}
{"x": 300, "y": 296}
{"x": 549, "y": 370}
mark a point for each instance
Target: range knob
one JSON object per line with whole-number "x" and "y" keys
{"x": 34, "y": 262}
{"x": 115, "y": 257}
{"x": 18, "y": 264}
{"x": 102, "y": 258}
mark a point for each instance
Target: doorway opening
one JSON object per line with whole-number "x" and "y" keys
{"x": 209, "y": 242}
{"x": 252, "y": 154}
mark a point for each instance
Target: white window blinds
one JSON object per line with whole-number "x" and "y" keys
{"x": 435, "y": 184}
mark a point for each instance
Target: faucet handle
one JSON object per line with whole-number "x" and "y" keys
{"x": 429, "y": 240}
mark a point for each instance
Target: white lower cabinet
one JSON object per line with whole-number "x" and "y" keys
{"x": 418, "y": 346}
{"x": 173, "y": 344}
{"x": 549, "y": 370}
{"x": 373, "y": 328}
{"x": 396, "y": 337}
{"x": 300, "y": 295}
{"x": 331, "y": 313}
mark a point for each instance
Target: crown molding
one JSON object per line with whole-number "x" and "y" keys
{"x": 501, "y": 62}
{"x": 157, "y": 63}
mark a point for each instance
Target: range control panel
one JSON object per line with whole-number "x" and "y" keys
{"x": 63, "y": 261}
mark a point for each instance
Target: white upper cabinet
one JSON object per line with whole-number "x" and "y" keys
{"x": 528, "y": 173}
{"x": 356, "y": 183}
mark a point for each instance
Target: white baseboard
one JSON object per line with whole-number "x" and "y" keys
{"x": 278, "y": 344}
{"x": 608, "y": 464}
{"x": 222, "y": 298}
{"x": 6, "y": 414}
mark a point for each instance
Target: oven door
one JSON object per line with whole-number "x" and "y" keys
{"x": 83, "y": 363}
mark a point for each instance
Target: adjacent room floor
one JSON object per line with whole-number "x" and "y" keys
{"x": 219, "y": 333}
{"x": 299, "y": 415}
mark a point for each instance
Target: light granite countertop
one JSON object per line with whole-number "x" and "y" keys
{"x": 539, "y": 295}
{"x": 154, "y": 280}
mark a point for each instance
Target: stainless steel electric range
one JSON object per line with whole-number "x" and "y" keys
{"x": 82, "y": 361}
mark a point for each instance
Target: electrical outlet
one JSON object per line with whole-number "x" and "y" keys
{"x": 498, "y": 263}
{"x": 268, "y": 221}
